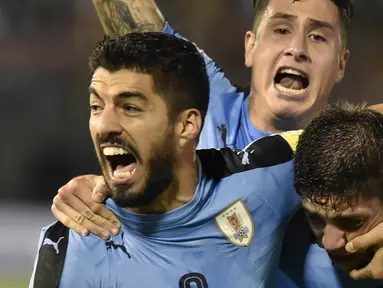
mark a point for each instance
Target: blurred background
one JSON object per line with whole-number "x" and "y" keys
{"x": 44, "y": 46}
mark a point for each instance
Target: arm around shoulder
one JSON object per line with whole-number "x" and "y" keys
{"x": 120, "y": 17}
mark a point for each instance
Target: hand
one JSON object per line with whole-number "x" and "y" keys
{"x": 377, "y": 108}
{"x": 373, "y": 238}
{"x": 78, "y": 205}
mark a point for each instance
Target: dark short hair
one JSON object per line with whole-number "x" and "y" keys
{"x": 177, "y": 68}
{"x": 345, "y": 7}
{"x": 339, "y": 157}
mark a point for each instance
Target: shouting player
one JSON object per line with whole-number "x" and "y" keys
{"x": 214, "y": 218}
{"x": 300, "y": 52}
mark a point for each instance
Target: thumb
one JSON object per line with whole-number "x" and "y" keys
{"x": 374, "y": 237}
{"x": 100, "y": 190}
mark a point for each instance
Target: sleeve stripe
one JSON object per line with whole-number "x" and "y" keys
{"x": 37, "y": 257}
{"x": 265, "y": 152}
{"x": 51, "y": 257}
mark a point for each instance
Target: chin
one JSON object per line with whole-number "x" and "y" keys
{"x": 287, "y": 111}
{"x": 295, "y": 112}
{"x": 128, "y": 198}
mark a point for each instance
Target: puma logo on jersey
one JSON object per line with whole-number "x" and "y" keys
{"x": 245, "y": 158}
{"x": 55, "y": 245}
{"x": 110, "y": 244}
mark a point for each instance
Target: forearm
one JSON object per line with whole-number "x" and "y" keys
{"x": 120, "y": 17}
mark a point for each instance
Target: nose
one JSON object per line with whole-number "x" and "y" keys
{"x": 109, "y": 122}
{"x": 298, "y": 48}
{"x": 333, "y": 238}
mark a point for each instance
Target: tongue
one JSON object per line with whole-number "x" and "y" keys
{"x": 123, "y": 172}
{"x": 127, "y": 168}
{"x": 292, "y": 82}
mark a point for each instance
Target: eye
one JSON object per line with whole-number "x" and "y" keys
{"x": 95, "y": 108}
{"x": 282, "y": 31}
{"x": 131, "y": 108}
{"x": 350, "y": 225}
{"x": 317, "y": 37}
{"x": 315, "y": 220}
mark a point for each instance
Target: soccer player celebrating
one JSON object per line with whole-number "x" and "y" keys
{"x": 339, "y": 173}
{"x": 208, "y": 219}
{"x": 300, "y": 52}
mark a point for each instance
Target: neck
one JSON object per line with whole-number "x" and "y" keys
{"x": 180, "y": 191}
{"x": 264, "y": 119}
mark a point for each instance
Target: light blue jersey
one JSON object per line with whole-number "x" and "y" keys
{"x": 229, "y": 235}
{"x": 227, "y": 124}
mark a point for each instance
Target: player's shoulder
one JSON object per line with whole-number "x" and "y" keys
{"x": 262, "y": 153}
{"x": 51, "y": 255}
{"x": 59, "y": 250}
{"x": 54, "y": 236}
{"x": 279, "y": 146}
{"x": 58, "y": 233}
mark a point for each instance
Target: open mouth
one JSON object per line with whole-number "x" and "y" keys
{"x": 122, "y": 164}
{"x": 291, "y": 81}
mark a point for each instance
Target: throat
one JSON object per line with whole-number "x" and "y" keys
{"x": 265, "y": 120}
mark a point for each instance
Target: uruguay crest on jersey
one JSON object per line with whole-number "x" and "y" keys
{"x": 236, "y": 224}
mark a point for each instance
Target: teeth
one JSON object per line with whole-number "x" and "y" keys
{"x": 110, "y": 151}
{"x": 122, "y": 175}
{"x": 290, "y": 91}
{"x": 292, "y": 71}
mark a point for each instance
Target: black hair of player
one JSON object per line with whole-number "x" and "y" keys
{"x": 339, "y": 157}
{"x": 345, "y": 7}
{"x": 177, "y": 68}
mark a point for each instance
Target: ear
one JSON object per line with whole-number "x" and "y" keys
{"x": 345, "y": 54}
{"x": 188, "y": 126}
{"x": 249, "y": 48}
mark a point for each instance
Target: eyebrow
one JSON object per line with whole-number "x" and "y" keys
{"x": 280, "y": 15}
{"x": 314, "y": 23}
{"x": 123, "y": 95}
{"x": 93, "y": 91}
{"x": 355, "y": 215}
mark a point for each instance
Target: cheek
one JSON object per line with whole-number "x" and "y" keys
{"x": 264, "y": 53}
{"x": 149, "y": 134}
{"x": 93, "y": 132}
{"x": 265, "y": 59}
{"x": 93, "y": 127}
{"x": 263, "y": 63}
{"x": 326, "y": 65}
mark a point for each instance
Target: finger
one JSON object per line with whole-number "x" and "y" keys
{"x": 107, "y": 216}
{"x": 68, "y": 222}
{"x": 100, "y": 191}
{"x": 364, "y": 273}
{"x": 92, "y": 211}
{"x": 99, "y": 214}
{"x": 79, "y": 219}
{"x": 377, "y": 108}
{"x": 374, "y": 269}
{"x": 104, "y": 224}
{"x": 372, "y": 238}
